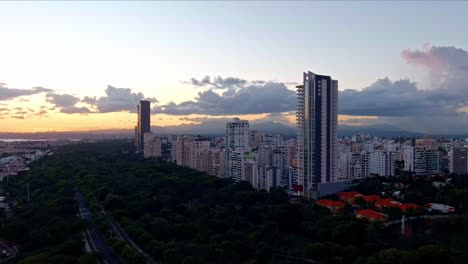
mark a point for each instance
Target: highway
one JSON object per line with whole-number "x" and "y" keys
{"x": 123, "y": 235}
{"x": 98, "y": 240}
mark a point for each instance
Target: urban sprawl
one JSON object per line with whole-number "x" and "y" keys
{"x": 314, "y": 164}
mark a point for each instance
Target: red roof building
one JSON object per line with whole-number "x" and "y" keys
{"x": 371, "y": 215}
{"x": 406, "y": 207}
{"x": 387, "y": 202}
{"x": 334, "y": 206}
{"x": 371, "y": 198}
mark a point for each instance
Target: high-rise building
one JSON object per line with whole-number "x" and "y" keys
{"x": 236, "y": 142}
{"x": 317, "y": 119}
{"x": 151, "y": 145}
{"x": 460, "y": 160}
{"x": 182, "y": 152}
{"x": 237, "y": 135}
{"x": 408, "y": 158}
{"x": 426, "y": 161}
{"x": 143, "y": 124}
{"x": 235, "y": 168}
{"x": 216, "y": 162}
{"x": 279, "y": 159}
{"x": 250, "y": 168}
{"x": 382, "y": 163}
{"x": 198, "y": 148}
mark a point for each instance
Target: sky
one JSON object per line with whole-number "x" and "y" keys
{"x": 67, "y": 65}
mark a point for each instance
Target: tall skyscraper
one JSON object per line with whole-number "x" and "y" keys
{"x": 317, "y": 120}
{"x": 143, "y": 124}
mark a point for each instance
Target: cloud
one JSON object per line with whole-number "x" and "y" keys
{"x": 66, "y": 103}
{"x": 388, "y": 98}
{"x": 447, "y": 94}
{"x": 62, "y": 100}
{"x": 219, "y": 82}
{"x": 438, "y": 58}
{"x": 41, "y": 113}
{"x": 118, "y": 99}
{"x": 271, "y": 97}
{"x": 440, "y": 108}
{"x": 89, "y": 100}
{"x": 276, "y": 117}
{"x": 11, "y": 93}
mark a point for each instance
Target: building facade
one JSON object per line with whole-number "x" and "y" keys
{"x": 317, "y": 119}
{"x": 152, "y": 146}
{"x": 460, "y": 160}
{"x": 236, "y": 143}
{"x": 143, "y": 124}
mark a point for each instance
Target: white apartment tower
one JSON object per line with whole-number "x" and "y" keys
{"x": 317, "y": 120}
{"x": 237, "y": 142}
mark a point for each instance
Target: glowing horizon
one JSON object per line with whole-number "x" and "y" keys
{"x": 92, "y": 62}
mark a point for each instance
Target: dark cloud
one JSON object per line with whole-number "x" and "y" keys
{"x": 89, "y": 100}
{"x": 447, "y": 94}
{"x": 118, "y": 99}
{"x": 439, "y": 108}
{"x": 66, "y": 103}
{"x": 388, "y": 98}
{"x": 75, "y": 110}
{"x": 271, "y": 97}
{"x": 62, "y": 100}
{"x": 17, "y": 116}
{"x": 11, "y": 93}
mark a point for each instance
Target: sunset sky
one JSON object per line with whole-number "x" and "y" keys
{"x": 85, "y": 65}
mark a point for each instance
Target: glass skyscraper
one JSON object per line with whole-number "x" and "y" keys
{"x": 317, "y": 119}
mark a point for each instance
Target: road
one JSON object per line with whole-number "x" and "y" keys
{"x": 122, "y": 234}
{"x": 98, "y": 240}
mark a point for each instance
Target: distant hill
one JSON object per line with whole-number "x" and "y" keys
{"x": 376, "y": 130}
{"x": 216, "y": 127}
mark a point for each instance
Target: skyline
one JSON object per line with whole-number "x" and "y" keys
{"x": 83, "y": 54}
